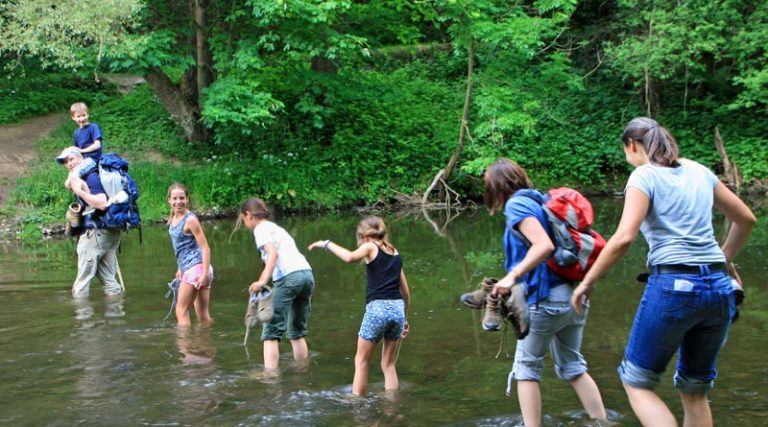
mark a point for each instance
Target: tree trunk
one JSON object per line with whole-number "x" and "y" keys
{"x": 464, "y": 115}
{"x": 183, "y": 112}
{"x": 202, "y": 49}
{"x": 730, "y": 170}
{"x": 650, "y": 95}
{"x": 321, "y": 64}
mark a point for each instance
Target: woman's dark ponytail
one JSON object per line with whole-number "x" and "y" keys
{"x": 659, "y": 144}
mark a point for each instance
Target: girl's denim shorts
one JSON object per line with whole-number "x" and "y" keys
{"x": 685, "y": 313}
{"x": 384, "y": 318}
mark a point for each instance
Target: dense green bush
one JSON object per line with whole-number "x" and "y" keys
{"x": 40, "y": 93}
{"x": 357, "y": 137}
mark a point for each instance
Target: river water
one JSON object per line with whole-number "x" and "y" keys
{"x": 119, "y": 363}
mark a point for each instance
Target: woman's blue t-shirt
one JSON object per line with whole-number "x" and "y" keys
{"x": 524, "y": 204}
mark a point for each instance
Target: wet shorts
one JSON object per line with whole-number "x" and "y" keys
{"x": 192, "y": 275}
{"x": 383, "y": 318}
{"x": 292, "y": 302}
{"x": 688, "y": 314}
{"x": 555, "y": 326}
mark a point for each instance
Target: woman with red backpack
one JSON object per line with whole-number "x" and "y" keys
{"x": 688, "y": 303}
{"x": 553, "y": 322}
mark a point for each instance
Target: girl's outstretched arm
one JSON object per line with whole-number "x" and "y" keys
{"x": 636, "y": 205}
{"x": 366, "y": 251}
{"x": 193, "y": 226}
{"x": 269, "y": 268}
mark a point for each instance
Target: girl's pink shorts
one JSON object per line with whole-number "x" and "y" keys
{"x": 192, "y": 275}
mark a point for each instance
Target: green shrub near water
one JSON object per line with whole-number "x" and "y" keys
{"x": 389, "y": 134}
{"x": 359, "y": 136}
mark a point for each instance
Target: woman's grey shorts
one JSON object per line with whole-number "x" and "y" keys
{"x": 554, "y": 325}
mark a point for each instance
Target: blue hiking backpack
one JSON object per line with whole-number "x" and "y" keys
{"x": 123, "y": 210}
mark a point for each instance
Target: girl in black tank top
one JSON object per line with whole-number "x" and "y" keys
{"x": 387, "y": 300}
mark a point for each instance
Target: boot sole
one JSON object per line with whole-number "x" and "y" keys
{"x": 471, "y": 305}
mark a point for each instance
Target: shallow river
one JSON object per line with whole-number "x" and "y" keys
{"x": 120, "y": 363}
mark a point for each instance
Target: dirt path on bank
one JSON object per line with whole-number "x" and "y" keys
{"x": 18, "y": 147}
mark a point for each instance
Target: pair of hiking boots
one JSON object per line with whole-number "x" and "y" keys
{"x": 513, "y": 307}
{"x": 260, "y": 309}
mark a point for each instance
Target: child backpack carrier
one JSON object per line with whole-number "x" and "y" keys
{"x": 122, "y": 211}
{"x": 577, "y": 246}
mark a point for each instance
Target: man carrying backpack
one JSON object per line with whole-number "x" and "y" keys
{"x": 97, "y": 245}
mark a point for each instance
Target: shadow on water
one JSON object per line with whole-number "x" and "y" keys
{"x": 117, "y": 362}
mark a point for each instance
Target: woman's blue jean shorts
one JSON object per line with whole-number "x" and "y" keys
{"x": 688, "y": 313}
{"x": 384, "y": 318}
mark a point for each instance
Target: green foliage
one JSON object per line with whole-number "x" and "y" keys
{"x": 68, "y": 34}
{"x": 717, "y": 46}
{"x": 328, "y": 104}
{"x": 141, "y": 51}
{"x": 137, "y": 126}
{"x": 751, "y": 59}
{"x": 345, "y": 138}
{"x": 234, "y": 108}
{"x": 38, "y": 93}
{"x": 573, "y": 138}
{"x": 304, "y": 27}
{"x": 40, "y": 197}
{"x": 751, "y": 155}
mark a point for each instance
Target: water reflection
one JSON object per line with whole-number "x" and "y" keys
{"x": 100, "y": 358}
{"x": 197, "y": 378}
{"x": 195, "y": 345}
{"x": 85, "y": 312}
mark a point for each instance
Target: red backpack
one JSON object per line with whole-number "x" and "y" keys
{"x": 577, "y": 246}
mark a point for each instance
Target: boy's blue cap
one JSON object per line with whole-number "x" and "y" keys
{"x": 65, "y": 153}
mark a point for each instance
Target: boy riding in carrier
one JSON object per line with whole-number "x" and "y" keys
{"x": 87, "y": 137}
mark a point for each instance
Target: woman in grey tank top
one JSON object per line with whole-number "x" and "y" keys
{"x": 689, "y": 301}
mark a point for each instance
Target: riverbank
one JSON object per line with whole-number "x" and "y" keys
{"x": 18, "y": 147}
{"x": 297, "y": 172}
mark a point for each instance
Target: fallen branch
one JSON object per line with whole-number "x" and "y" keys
{"x": 438, "y": 177}
{"x": 730, "y": 170}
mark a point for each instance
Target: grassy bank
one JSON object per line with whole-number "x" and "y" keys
{"x": 390, "y": 134}
{"x": 37, "y": 93}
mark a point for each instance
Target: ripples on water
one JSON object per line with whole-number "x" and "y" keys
{"x": 103, "y": 362}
